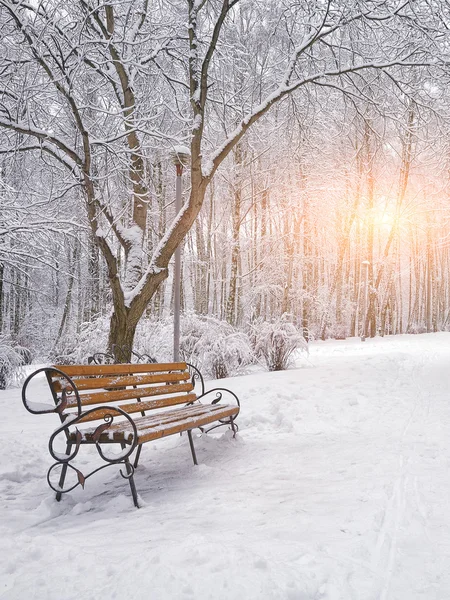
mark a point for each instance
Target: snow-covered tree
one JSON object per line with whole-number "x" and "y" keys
{"x": 96, "y": 92}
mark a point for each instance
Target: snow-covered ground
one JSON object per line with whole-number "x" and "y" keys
{"x": 336, "y": 488}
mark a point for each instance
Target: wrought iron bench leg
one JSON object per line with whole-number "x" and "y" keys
{"x": 191, "y": 444}
{"x": 63, "y": 472}
{"x": 233, "y": 426}
{"x": 138, "y": 455}
{"x": 130, "y": 472}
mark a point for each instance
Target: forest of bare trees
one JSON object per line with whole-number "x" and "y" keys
{"x": 318, "y": 183}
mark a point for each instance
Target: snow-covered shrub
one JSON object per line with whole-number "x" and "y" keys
{"x": 92, "y": 337}
{"x": 275, "y": 341}
{"x": 417, "y": 328}
{"x": 12, "y": 357}
{"x": 225, "y": 355}
{"x": 337, "y": 332}
{"x": 214, "y": 346}
{"x": 155, "y": 338}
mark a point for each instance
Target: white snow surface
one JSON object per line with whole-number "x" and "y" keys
{"x": 336, "y": 487}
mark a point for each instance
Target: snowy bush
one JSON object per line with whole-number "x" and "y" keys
{"x": 12, "y": 357}
{"x": 214, "y": 346}
{"x": 155, "y": 338}
{"x": 275, "y": 341}
{"x": 417, "y": 328}
{"x": 92, "y": 337}
{"x": 227, "y": 354}
{"x": 152, "y": 337}
{"x": 337, "y": 332}
{"x": 210, "y": 344}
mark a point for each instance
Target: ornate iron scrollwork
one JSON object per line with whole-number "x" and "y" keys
{"x": 75, "y": 438}
{"x": 118, "y": 355}
{"x": 219, "y": 392}
{"x": 196, "y": 376}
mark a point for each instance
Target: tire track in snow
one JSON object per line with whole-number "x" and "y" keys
{"x": 398, "y": 515}
{"x": 394, "y": 513}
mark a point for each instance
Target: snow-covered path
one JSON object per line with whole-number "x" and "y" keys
{"x": 337, "y": 488}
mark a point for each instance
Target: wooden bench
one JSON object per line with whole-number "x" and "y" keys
{"x": 119, "y": 396}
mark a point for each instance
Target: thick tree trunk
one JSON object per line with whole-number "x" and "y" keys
{"x": 125, "y": 318}
{"x": 121, "y": 333}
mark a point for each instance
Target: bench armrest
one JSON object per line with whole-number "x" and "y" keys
{"x": 219, "y": 393}
{"x": 196, "y": 376}
{"x": 38, "y": 408}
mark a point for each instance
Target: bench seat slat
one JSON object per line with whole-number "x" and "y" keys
{"x": 121, "y": 369}
{"x": 163, "y": 424}
{"x": 140, "y": 406}
{"x": 129, "y": 394}
{"x": 209, "y": 416}
{"x": 96, "y": 383}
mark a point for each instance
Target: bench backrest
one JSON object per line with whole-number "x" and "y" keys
{"x": 131, "y": 387}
